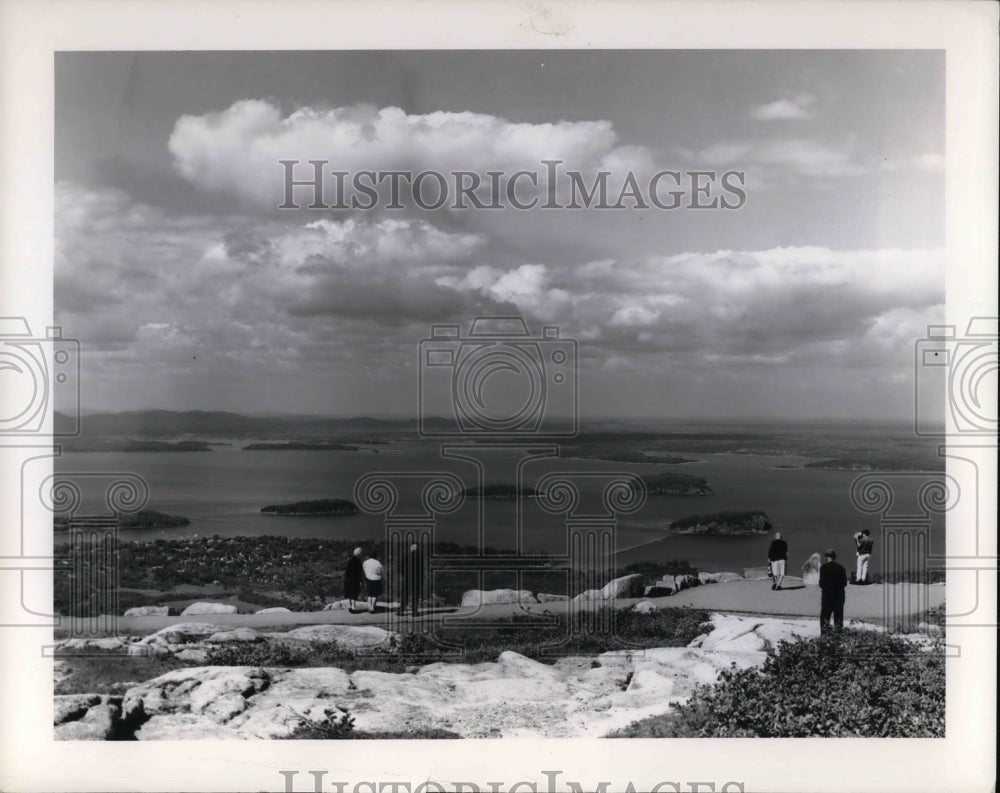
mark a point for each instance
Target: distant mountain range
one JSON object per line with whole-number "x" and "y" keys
{"x": 162, "y": 423}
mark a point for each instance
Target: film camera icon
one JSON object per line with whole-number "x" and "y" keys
{"x": 32, "y": 385}
{"x": 497, "y": 380}
{"x": 961, "y": 370}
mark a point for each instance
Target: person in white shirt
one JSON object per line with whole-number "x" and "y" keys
{"x": 373, "y": 580}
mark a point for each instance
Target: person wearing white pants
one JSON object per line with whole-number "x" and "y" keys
{"x": 864, "y": 543}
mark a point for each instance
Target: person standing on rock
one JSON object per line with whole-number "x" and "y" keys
{"x": 413, "y": 579}
{"x": 373, "y": 580}
{"x": 864, "y": 543}
{"x": 777, "y": 555}
{"x": 353, "y": 574}
{"x": 832, "y": 583}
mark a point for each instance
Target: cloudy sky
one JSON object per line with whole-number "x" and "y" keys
{"x": 189, "y": 289}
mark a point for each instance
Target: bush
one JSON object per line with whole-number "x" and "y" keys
{"x": 858, "y": 684}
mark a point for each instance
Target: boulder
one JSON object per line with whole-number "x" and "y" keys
{"x": 644, "y": 607}
{"x": 234, "y": 635}
{"x": 208, "y": 608}
{"x": 274, "y": 610}
{"x": 347, "y": 637}
{"x": 337, "y": 605}
{"x": 810, "y": 570}
{"x": 657, "y": 590}
{"x": 492, "y": 597}
{"x": 192, "y": 655}
{"x": 148, "y": 611}
{"x": 590, "y": 594}
{"x": 627, "y": 586}
{"x": 141, "y": 650}
{"x": 184, "y": 633}
{"x": 755, "y": 573}
{"x": 545, "y": 597}
{"x": 71, "y": 707}
{"x": 98, "y": 723}
{"x": 719, "y": 578}
{"x": 685, "y": 581}
{"x": 108, "y": 643}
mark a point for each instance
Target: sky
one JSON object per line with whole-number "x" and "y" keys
{"x": 189, "y": 288}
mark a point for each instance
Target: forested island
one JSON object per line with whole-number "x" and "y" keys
{"x": 670, "y": 484}
{"x": 145, "y": 519}
{"x": 736, "y": 523}
{"x": 88, "y": 444}
{"x": 323, "y": 506}
{"x": 300, "y": 446}
{"x": 891, "y": 463}
{"x": 498, "y": 492}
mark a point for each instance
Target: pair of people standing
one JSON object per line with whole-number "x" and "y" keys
{"x": 368, "y": 570}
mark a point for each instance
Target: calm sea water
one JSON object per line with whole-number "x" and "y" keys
{"x": 222, "y": 491}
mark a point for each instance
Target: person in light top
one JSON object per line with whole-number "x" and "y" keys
{"x": 373, "y": 579}
{"x": 777, "y": 555}
{"x": 863, "y": 543}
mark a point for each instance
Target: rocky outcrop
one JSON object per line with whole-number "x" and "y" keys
{"x": 491, "y": 597}
{"x": 644, "y": 607}
{"x": 208, "y": 608}
{"x": 756, "y": 573}
{"x": 573, "y": 697}
{"x": 148, "y": 611}
{"x": 810, "y": 570}
{"x": 545, "y": 597}
{"x": 274, "y": 610}
{"x": 718, "y": 578}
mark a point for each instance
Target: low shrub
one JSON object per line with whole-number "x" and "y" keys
{"x": 858, "y": 683}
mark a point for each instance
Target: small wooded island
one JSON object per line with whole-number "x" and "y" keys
{"x": 145, "y": 519}
{"x": 670, "y": 484}
{"x": 323, "y": 506}
{"x": 300, "y": 446}
{"x": 734, "y": 523}
{"x": 498, "y": 492}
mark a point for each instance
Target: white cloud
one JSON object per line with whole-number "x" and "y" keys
{"x": 794, "y": 109}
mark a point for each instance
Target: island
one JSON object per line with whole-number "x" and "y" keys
{"x": 732, "y": 523}
{"x": 889, "y": 463}
{"x": 144, "y": 519}
{"x": 624, "y": 456}
{"x": 670, "y": 484}
{"x": 498, "y": 492}
{"x": 300, "y": 446}
{"x": 323, "y": 506}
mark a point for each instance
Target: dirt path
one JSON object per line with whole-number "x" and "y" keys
{"x": 869, "y": 603}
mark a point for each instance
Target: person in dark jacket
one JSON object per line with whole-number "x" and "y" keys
{"x": 777, "y": 555}
{"x": 413, "y": 579}
{"x": 832, "y": 583}
{"x": 864, "y": 543}
{"x": 353, "y": 574}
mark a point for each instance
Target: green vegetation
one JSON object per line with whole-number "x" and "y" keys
{"x": 875, "y": 462}
{"x": 323, "y": 506}
{"x": 109, "y": 671}
{"x": 543, "y": 639}
{"x": 746, "y": 522}
{"x": 671, "y": 484}
{"x": 145, "y": 519}
{"x": 302, "y": 446}
{"x": 499, "y": 492}
{"x": 858, "y": 684}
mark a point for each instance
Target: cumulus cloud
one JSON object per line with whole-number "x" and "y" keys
{"x": 237, "y": 151}
{"x": 794, "y": 109}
